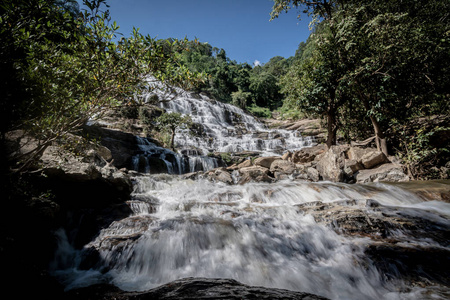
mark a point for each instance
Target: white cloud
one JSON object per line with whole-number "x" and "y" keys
{"x": 256, "y": 63}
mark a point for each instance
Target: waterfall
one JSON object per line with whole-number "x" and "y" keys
{"x": 224, "y": 128}
{"x": 336, "y": 240}
{"x": 227, "y": 128}
{"x": 258, "y": 233}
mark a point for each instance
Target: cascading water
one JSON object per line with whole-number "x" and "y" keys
{"x": 254, "y": 233}
{"x": 228, "y": 128}
{"x": 224, "y": 128}
{"x": 290, "y": 234}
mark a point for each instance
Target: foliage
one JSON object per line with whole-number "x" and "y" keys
{"x": 230, "y": 81}
{"x": 423, "y": 144}
{"x": 241, "y": 98}
{"x": 261, "y": 112}
{"x": 385, "y": 62}
{"x": 60, "y": 70}
{"x": 172, "y": 121}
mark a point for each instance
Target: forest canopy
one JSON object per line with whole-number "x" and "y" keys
{"x": 61, "y": 67}
{"x": 386, "y": 62}
{"x": 369, "y": 69}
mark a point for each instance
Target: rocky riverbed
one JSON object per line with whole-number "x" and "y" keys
{"x": 340, "y": 223}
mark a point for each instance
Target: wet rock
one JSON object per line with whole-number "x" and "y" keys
{"x": 385, "y": 172}
{"x": 412, "y": 263}
{"x": 191, "y": 288}
{"x": 404, "y": 243}
{"x": 220, "y": 174}
{"x": 428, "y": 190}
{"x": 156, "y": 165}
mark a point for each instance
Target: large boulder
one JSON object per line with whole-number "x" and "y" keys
{"x": 308, "y": 154}
{"x": 385, "y": 172}
{"x": 373, "y": 159}
{"x": 367, "y": 157}
{"x": 191, "y": 288}
{"x": 254, "y": 173}
{"x": 265, "y": 162}
{"x": 331, "y": 164}
{"x": 89, "y": 173}
{"x": 122, "y": 145}
{"x": 282, "y": 166}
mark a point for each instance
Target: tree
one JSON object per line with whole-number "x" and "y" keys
{"x": 70, "y": 68}
{"x": 171, "y": 122}
{"x": 314, "y": 84}
{"x": 390, "y": 61}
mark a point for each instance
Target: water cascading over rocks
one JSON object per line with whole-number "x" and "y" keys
{"x": 223, "y": 128}
{"x": 336, "y": 240}
{"x": 320, "y": 238}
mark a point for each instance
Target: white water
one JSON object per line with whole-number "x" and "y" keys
{"x": 252, "y": 233}
{"x": 224, "y": 128}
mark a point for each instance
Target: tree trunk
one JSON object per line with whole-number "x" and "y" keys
{"x": 172, "y": 140}
{"x": 331, "y": 128}
{"x": 380, "y": 140}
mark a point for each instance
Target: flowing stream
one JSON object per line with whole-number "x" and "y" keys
{"x": 258, "y": 233}
{"x": 254, "y": 233}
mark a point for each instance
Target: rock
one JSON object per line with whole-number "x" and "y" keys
{"x": 280, "y": 175}
{"x": 368, "y": 157}
{"x": 428, "y": 190}
{"x": 254, "y": 173}
{"x": 220, "y": 174}
{"x": 55, "y": 162}
{"x": 308, "y": 154}
{"x": 122, "y": 146}
{"x": 157, "y": 165}
{"x": 402, "y": 256}
{"x": 373, "y": 158}
{"x": 245, "y": 164}
{"x": 331, "y": 164}
{"x": 312, "y": 174}
{"x": 104, "y": 152}
{"x": 356, "y": 153}
{"x": 282, "y": 166}
{"x": 386, "y": 172}
{"x": 265, "y": 161}
{"x": 192, "y": 175}
{"x": 287, "y": 156}
{"x": 190, "y": 288}
{"x": 352, "y": 166}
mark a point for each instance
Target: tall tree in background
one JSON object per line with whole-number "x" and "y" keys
{"x": 318, "y": 78}
{"x": 390, "y": 58}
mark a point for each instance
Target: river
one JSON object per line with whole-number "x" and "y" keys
{"x": 315, "y": 237}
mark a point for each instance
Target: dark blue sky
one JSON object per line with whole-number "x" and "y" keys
{"x": 241, "y": 27}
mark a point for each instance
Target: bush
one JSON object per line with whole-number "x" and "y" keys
{"x": 261, "y": 112}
